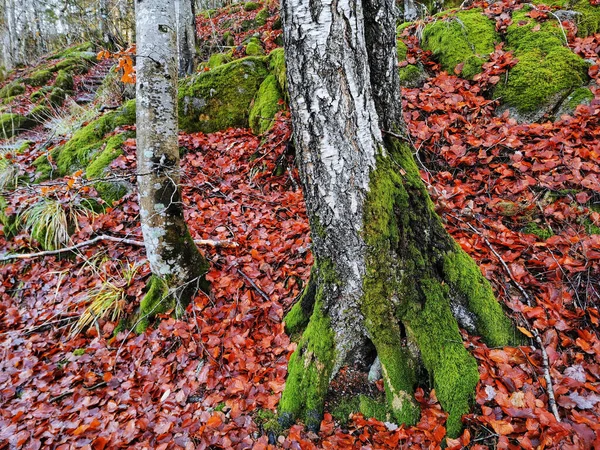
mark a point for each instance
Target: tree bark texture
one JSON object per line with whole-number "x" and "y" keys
{"x": 173, "y": 257}
{"x": 186, "y": 36}
{"x": 387, "y": 275}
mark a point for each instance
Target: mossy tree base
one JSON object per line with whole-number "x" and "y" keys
{"x": 419, "y": 287}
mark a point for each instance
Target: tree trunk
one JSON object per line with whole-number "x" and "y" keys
{"x": 186, "y": 36}
{"x": 387, "y": 275}
{"x": 174, "y": 259}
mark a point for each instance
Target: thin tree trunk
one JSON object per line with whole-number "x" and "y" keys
{"x": 173, "y": 257}
{"x": 186, "y": 36}
{"x": 387, "y": 275}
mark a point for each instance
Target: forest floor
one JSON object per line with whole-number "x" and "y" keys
{"x": 522, "y": 199}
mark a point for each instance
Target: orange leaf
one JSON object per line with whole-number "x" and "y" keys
{"x": 525, "y": 331}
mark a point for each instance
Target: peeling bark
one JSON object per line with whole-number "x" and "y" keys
{"x": 170, "y": 249}
{"x": 386, "y": 273}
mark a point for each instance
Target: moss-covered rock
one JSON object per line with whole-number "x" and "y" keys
{"x": 156, "y": 301}
{"x": 86, "y": 47}
{"x": 588, "y": 22}
{"x": 464, "y": 37}
{"x": 12, "y": 90}
{"x": 262, "y": 17}
{"x": 251, "y": 6}
{"x": 277, "y": 66}
{"x": 220, "y": 98}
{"x": 72, "y": 64}
{"x": 9, "y": 222}
{"x": 85, "y": 143}
{"x": 580, "y": 96}
{"x": 38, "y": 78}
{"x": 64, "y": 81}
{"x": 13, "y": 124}
{"x": 266, "y": 104}
{"x": 546, "y": 72}
{"x": 411, "y": 75}
{"x": 109, "y": 191}
{"x": 218, "y": 59}
{"x": 57, "y": 96}
{"x": 254, "y": 47}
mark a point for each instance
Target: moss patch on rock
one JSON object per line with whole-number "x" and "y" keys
{"x": 218, "y": 59}
{"x": 254, "y": 47}
{"x": 464, "y": 37}
{"x": 588, "y": 22}
{"x": 267, "y": 103}
{"x": 12, "y": 90}
{"x": 38, "y": 78}
{"x": 64, "y": 81}
{"x": 82, "y": 147}
{"x": 277, "y": 66}
{"x": 546, "y": 72}
{"x": 220, "y": 98}
{"x": 109, "y": 191}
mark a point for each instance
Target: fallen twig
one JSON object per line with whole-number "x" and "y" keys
{"x": 105, "y": 237}
{"x": 536, "y": 335}
{"x": 253, "y": 284}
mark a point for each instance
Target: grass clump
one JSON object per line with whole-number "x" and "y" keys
{"x": 108, "y": 299}
{"x": 50, "y": 221}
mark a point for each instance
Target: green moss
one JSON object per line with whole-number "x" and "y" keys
{"x": 64, "y": 81}
{"x": 12, "y": 90}
{"x": 218, "y": 59}
{"x": 38, "y": 78}
{"x": 295, "y": 320}
{"x": 13, "y": 124}
{"x": 377, "y": 408}
{"x": 81, "y": 148}
{"x": 588, "y": 22}
{"x": 466, "y": 279}
{"x": 221, "y": 98}
{"x": 537, "y": 230}
{"x": 311, "y": 365}
{"x": 57, "y": 96}
{"x": 37, "y": 96}
{"x": 86, "y": 47}
{"x": 344, "y": 408}
{"x": 538, "y": 77}
{"x": 465, "y": 37}
{"x": 109, "y": 191}
{"x": 39, "y": 114}
{"x": 386, "y": 194}
{"x": 580, "y": 96}
{"x": 401, "y": 50}
{"x": 262, "y": 17}
{"x": 266, "y": 104}
{"x": 277, "y": 66}
{"x": 156, "y": 301}
{"x": 79, "y": 352}
{"x": 251, "y": 6}
{"x": 254, "y": 47}
{"x": 410, "y": 74}
{"x": 74, "y": 65}
{"x": 546, "y": 69}
{"x": 10, "y": 222}
{"x": 453, "y": 369}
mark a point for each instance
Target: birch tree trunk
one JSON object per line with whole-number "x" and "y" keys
{"x": 173, "y": 256}
{"x": 388, "y": 279}
{"x": 186, "y": 36}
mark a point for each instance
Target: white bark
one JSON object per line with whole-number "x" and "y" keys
{"x": 169, "y": 248}
{"x": 337, "y": 136}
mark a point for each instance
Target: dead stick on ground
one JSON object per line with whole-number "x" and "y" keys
{"x": 105, "y": 237}
{"x": 536, "y": 335}
{"x": 253, "y": 284}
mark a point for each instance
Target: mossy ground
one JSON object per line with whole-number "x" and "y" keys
{"x": 465, "y": 37}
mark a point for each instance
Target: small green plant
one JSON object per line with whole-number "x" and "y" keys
{"x": 107, "y": 300}
{"x": 49, "y": 221}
